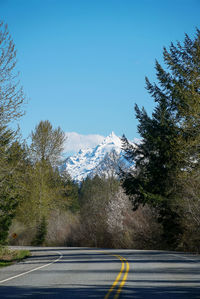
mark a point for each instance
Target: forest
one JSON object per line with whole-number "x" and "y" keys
{"x": 153, "y": 205}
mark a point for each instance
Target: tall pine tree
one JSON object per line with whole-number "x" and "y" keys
{"x": 170, "y": 137}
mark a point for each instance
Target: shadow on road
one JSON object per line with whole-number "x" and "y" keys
{"x": 76, "y": 292}
{"x": 39, "y": 293}
{"x": 152, "y": 275}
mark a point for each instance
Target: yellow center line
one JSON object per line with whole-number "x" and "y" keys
{"x": 117, "y": 278}
{"x": 123, "y": 279}
{"x": 114, "y": 285}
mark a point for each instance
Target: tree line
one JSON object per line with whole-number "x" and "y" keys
{"x": 155, "y": 204}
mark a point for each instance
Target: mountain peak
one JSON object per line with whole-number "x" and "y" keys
{"x": 112, "y": 139}
{"x": 86, "y": 162}
{"x": 112, "y": 135}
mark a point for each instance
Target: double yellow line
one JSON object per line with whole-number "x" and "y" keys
{"x": 120, "y": 280}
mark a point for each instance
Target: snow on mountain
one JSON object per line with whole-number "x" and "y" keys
{"x": 100, "y": 160}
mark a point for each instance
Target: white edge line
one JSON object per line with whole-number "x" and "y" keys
{"x": 24, "y": 273}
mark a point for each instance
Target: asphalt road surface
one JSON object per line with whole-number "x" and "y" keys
{"x": 97, "y": 273}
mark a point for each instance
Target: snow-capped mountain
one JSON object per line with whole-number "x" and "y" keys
{"x": 102, "y": 159}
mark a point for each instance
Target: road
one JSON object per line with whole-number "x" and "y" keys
{"x": 89, "y": 273}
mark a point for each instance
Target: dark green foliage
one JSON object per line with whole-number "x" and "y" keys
{"x": 40, "y": 233}
{"x": 66, "y": 190}
{"x": 12, "y": 159}
{"x": 8, "y": 203}
{"x": 170, "y": 138}
{"x": 71, "y": 193}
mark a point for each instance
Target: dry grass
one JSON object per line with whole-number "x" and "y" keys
{"x": 8, "y": 256}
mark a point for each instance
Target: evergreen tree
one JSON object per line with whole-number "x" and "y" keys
{"x": 40, "y": 233}
{"x": 12, "y": 176}
{"x": 71, "y": 193}
{"x": 170, "y": 138}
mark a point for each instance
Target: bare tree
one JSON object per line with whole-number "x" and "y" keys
{"x": 11, "y": 108}
{"x": 11, "y": 93}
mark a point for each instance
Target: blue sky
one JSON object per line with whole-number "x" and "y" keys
{"x": 83, "y": 63}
